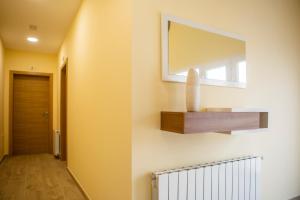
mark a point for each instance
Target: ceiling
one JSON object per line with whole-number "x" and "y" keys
{"x": 52, "y": 19}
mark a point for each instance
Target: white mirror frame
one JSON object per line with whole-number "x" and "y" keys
{"x": 165, "y": 51}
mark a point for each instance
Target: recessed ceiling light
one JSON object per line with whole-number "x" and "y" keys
{"x": 32, "y": 39}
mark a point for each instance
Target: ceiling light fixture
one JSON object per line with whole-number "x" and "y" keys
{"x": 32, "y": 39}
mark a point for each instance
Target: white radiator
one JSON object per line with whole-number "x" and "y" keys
{"x": 236, "y": 179}
{"x": 57, "y": 143}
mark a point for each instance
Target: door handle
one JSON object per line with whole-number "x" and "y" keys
{"x": 45, "y": 114}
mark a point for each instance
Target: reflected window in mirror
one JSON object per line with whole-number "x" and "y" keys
{"x": 218, "y": 73}
{"x": 242, "y": 77}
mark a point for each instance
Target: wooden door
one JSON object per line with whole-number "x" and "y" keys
{"x": 63, "y": 112}
{"x": 30, "y": 128}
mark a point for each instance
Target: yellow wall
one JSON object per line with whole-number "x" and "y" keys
{"x": 1, "y": 100}
{"x": 272, "y": 31}
{"x": 29, "y": 62}
{"x": 98, "y": 48}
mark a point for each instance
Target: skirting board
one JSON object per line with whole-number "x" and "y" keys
{"x": 2, "y": 159}
{"x": 78, "y": 184}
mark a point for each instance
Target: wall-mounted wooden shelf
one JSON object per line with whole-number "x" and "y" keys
{"x": 225, "y": 122}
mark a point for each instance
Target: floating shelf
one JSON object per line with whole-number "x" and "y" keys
{"x": 216, "y": 121}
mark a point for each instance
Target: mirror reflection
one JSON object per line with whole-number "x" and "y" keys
{"x": 216, "y": 57}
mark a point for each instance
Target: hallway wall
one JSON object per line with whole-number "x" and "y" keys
{"x": 1, "y": 99}
{"x": 272, "y": 31}
{"x": 98, "y": 48}
{"x": 29, "y": 62}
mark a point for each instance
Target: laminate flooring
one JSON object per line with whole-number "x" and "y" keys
{"x": 37, "y": 177}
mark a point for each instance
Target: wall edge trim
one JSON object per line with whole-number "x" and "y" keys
{"x": 3, "y": 158}
{"x": 78, "y": 184}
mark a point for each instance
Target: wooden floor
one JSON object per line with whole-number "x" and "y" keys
{"x": 36, "y": 177}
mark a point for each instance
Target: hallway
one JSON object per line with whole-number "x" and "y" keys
{"x": 34, "y": 177}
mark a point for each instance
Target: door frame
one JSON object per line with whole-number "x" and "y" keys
{"x": 12, "y": 73}
{"x": 63, "y": 114}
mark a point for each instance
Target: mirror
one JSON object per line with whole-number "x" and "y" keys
{"x": 219, "y": 57}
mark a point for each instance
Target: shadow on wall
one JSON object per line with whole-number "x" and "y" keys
{"x": 296, "y": 198}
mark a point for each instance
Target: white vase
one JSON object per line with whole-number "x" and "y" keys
{"x": 193, "y": 91}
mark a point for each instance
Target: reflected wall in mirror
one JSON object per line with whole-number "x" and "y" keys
{"x": 219, "y": 57}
